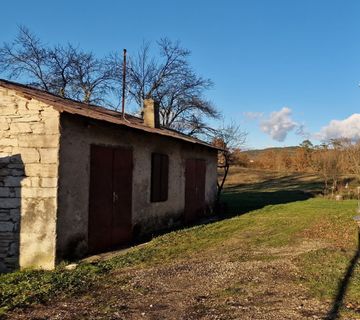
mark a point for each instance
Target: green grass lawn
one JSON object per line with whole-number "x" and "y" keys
{"x": 288, "y": 223}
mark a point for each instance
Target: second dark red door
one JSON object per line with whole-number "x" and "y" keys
{"x": 195, "y": 174}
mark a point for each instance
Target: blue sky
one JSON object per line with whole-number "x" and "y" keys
{"x": 278, "y": 66}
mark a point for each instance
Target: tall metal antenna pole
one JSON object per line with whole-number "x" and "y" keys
{"x": 123, "y": 86}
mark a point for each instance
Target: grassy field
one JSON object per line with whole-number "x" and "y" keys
{"x": 279, "y": 253}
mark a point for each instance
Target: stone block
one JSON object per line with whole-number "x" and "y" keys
{"x": 3, "y": 267}
{"x": 38, "y": 192}
{"x": 47, "y": 126}
{"x": 4, "y": 161}
{"x": 4, "y": 192}
{"x": 20, "y": 127}
{"x": 6, "y": 226}
{"x": 31, "y": 182}
{"x": 4, "y": 250}
{"x": 37, "y": 251}
{"x": 8, "y": 149}
{"x": 48, "y": 182}
{"x": 26, "y": 182}
{"x": 49, "y": 155}
{"x": 4, "y": 172}
{"x": 28, "y": 155}
{"x": 34, "y": 105}
{"x": 17, "y": 172}
{"x": 15, "y": 214}
{"x": 15, "y": 192}
{"x": 38, "y": 214}
{"x": 13, "y": 249}
{"x": 5, "y": 109}
{"x": 6, "y": 134}
{"x": 16, "y": 226}
{"x": 41, "y": 170}
{"x": 52, "y": 125}
{"x": 10, "y": 203}
{"x": 9, "y": 142}
{"x": 12, "y": 263}
{"x": 4, "y": 125}
{"x": 38, "y": 140}
{"x": 8, "y": 236}
{"x": 11, "y": 181}
{"x": 38, "y": 127}
{"x": 26, "y": 118}
{"x": 19, "y": 165}
{"x": 49, "y": 113}
{"x": 5, "y": 216}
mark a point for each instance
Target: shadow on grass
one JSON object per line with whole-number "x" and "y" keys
{"x": 237, "y": 203}
{"x": 288, "y": 183}
{"x": 242, "y": 198}
{"x": 334, "y": 313}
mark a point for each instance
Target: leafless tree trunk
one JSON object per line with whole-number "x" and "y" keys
{"x": 228, "y": 138}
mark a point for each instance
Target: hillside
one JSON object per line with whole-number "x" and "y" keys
{"x": 253, "y": 154}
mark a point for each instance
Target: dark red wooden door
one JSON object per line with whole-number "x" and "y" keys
{"x": 195, "y": 172}
{"x": 122, "y": 196}
{"x": 110, "y": 198}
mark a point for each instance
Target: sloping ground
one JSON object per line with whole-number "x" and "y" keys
{"x": 292, "y": 260}
{"x": 210, "y": 288}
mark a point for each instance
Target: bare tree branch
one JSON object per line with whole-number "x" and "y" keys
{"x": 63, "y": 70}
{"x": 173, "y": 83}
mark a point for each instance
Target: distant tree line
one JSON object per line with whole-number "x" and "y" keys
{"x": 331, "y": 160}
{"x": 71, "y": 72}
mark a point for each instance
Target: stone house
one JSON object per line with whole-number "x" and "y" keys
{"x": 78, "y": 179}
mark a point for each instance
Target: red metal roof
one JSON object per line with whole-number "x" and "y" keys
{"x": 95, "y": 112}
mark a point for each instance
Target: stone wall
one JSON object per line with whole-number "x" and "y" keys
{"x": 29, "y": 147}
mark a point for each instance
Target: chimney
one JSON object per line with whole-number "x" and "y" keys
{"x": 151, "y": 113}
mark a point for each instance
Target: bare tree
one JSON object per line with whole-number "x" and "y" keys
{"x": 301, "y": 161}
{"x": 63, "y": 70}
{"x": 327, "y": 161}
{"x": 352, "y": 156}
{"x": 174, "y": 84}
{"x": 60, "y": 61}
{"x": 26, "y": 56}
{"x": 92, "y": 79}
{"x": 228, "y": 138}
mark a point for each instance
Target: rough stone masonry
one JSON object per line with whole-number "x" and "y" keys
{"x": 29, "y": 148}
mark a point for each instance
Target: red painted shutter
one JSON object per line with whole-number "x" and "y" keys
{"x": 159, "y": 177}
{"x": 164, "y": 177}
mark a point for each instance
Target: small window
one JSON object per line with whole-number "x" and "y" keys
{"x": 159, "y": 177}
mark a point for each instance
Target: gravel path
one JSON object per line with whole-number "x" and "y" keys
{"x": 217, "y": 285}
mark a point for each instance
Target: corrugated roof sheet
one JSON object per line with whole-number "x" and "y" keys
{"x": 95, "y": 112}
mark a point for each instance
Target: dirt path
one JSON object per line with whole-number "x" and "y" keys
{"x": 217, "y": 285}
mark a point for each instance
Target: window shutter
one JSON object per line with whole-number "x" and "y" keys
{"x": 164, "y": 177}
{"x": 159, "y": 177}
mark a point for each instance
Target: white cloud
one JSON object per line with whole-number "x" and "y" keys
{"x": 253, "y": 115}
{"x": 347, "y": 128}
{"x": 279, "y": 124}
